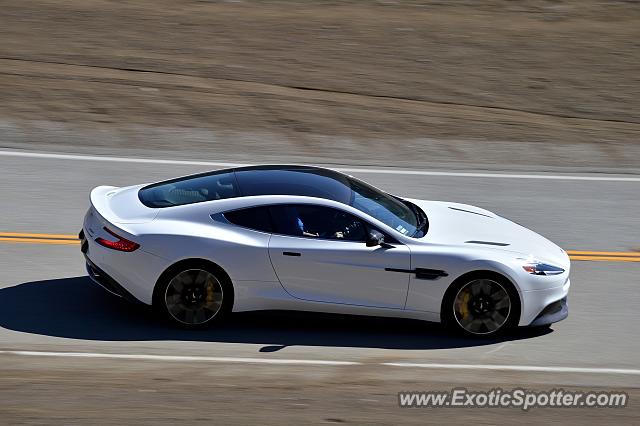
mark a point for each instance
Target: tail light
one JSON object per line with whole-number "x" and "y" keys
{"x": 120, "y": 244}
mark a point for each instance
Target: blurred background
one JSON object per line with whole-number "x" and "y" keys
{"x": 489, "y": 84}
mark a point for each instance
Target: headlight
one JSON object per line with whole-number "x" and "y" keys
{"x": 539, "y": 268}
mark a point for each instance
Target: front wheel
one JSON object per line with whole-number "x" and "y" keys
{"x": 481, "y": 307}
{"x": 193, "y": 297}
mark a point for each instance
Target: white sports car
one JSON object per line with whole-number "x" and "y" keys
{"x": 313, "y": 239}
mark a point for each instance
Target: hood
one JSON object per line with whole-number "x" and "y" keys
{"x": 465, "y": 225}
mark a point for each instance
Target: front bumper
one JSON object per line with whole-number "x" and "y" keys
{"x": 554, "y": 312}
{"x": 542, "y": 307}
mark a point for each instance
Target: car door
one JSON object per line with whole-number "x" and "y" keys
{"x": 320, "y": 254}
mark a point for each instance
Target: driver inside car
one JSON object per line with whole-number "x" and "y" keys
{"x": 342, "y": 227}
{"x": 304, "y": 231}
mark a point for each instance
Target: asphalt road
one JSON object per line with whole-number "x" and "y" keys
{"x": 47, "y": 304}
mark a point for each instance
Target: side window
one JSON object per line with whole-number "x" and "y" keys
{"x": 253, "y": 218}
{"x": 303, "y": 220}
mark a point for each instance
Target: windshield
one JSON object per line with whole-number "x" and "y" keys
{"x": 400, "y": 215}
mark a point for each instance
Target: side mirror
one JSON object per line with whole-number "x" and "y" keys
{"x": 376, "y": 238}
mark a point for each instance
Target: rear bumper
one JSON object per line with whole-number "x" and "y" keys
{"x": 105, "y": 281}
{"x": 100, "y": 277}
{"x": 136, "y": 272}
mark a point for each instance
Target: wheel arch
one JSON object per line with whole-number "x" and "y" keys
{"x": 511, "y": 287}
{"x": 191, "y": 263}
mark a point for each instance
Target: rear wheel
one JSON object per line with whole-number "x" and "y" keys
{"x": 481, "y": 306}
{"x": 193, "y": 296}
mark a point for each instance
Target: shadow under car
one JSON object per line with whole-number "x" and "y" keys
{"x": 77, "y": 308}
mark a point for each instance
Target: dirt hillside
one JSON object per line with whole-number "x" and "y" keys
{"x": 381, "y": 81}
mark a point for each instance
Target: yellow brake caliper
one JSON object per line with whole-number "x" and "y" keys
{"x": 209, "y": 288}
{"x": 464, "y": 304}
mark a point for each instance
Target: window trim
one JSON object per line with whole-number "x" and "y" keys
{"x": 365, "y": 222}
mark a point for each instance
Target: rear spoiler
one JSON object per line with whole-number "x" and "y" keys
{"x": 121, "y": 205}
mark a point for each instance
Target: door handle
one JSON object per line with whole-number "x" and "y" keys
{"x": 291, "y": 253}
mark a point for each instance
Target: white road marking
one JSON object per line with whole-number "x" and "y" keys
{"x": 181, "y": 358}
{"x": 281, "y": 361}
{"x": 81, "y": 157}
{"x": 499, "y": 348}
{"x": 523, "y": 368}
{"x": 390, "y": 171}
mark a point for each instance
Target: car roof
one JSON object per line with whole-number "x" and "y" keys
{"x": 294, "y": 180}
{"x": 297, "y": 180}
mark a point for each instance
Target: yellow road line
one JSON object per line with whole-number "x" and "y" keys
{"x": 606, "y": 258}
{"x": 603, "y": 253}
{"x": 38, "y": 241}
{"x": 69, "y": 239}
{"x": 47, "y": 236}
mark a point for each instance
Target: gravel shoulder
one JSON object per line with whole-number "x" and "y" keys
{"x": 497, "y": 85}
{"x": 38, "y": 391}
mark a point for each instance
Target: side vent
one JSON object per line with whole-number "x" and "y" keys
{"x": 469, "y": 211}
{"x": 487, "y": 243}
{"x": 430, "y": 274}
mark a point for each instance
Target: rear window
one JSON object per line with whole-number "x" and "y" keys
{"x": 196, "y": 189}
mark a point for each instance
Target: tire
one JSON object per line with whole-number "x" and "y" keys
{"x": 481, "y": 305}
{"x": 193, "y": 295}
